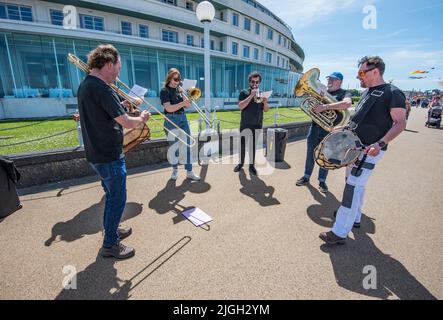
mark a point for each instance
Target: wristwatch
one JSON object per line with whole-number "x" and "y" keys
{"x": 382, "y": 144}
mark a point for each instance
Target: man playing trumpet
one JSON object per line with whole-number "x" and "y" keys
{"x": 252, "y": 107}
{"x": 103, "y": 118}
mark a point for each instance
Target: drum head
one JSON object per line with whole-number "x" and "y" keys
{"x": 341, "y": 147}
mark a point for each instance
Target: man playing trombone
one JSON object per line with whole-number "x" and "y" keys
{"x": 175, "y": 102}
{"x": 102, "y": 119}
{"x": 317, "y": 134}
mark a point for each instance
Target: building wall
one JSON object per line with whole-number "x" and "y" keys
{"x": 34, "y": 56}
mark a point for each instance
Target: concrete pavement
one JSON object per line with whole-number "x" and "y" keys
{"x": 262, "y": 244}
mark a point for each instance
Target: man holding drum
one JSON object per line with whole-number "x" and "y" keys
{"x": 383, "y": 107}
{"x": 102, "y": 119}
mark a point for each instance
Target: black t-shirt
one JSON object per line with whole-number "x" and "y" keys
{"x": 378, "y": 121}
{"x": 98, "y": 106}
{"x": 171, "y": 95}
{"x": 252, "y": 115}
{"x": 338, "y": 95}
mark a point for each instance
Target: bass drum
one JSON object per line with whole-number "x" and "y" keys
{"x": 338, "y": 149}
{"x": 135, "y": 136}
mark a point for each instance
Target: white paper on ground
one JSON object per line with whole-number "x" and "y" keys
{"x": 197, "y": 216}
{"x": 137, "y": 91}
{"x": 266, "y": 94}
{"x": 188, "y": 84}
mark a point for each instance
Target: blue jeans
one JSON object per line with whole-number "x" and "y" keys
{"x": 182, "y": 122}
{"x": 113, "y": 178}
{"x": 315, "y": 136}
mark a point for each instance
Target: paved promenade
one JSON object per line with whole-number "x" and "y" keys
{"x": 262, "y": 244}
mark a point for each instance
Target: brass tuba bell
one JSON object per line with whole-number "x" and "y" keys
{"x": 310, "y": 86}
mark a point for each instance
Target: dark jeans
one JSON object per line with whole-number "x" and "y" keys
{"x": 182, "y": 122}
{"x": 246, "y": 140}
{"x": 113, "y": 178}
{"x": 315, "y": 136}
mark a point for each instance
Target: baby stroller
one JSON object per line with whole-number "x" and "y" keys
{"x": 434, "y": 117}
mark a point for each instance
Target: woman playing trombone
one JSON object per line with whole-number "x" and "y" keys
{"x": 174, "y": 104}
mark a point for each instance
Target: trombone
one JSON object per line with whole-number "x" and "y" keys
{"x": 135, "y": 102}
{"x": 193, "y": 94}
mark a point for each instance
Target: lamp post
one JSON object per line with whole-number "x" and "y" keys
{"x": 205, "y": 14}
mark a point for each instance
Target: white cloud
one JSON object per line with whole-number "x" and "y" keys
{"x": 301, "y": 13}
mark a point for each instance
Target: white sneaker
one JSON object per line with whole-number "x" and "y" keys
{"x": 191, "y": 175}
{"x": 174, "y": 174}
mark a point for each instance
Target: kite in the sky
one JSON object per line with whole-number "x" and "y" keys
{"x": 419, "y": 72}
{"x": 417, "y": 77}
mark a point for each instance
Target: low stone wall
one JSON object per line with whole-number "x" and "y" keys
{"x": 55, "y": 166}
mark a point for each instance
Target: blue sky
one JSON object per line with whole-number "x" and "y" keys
{"x": 409, "y": 36}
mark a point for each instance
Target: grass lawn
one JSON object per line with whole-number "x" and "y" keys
{"x": 62, "y": 133}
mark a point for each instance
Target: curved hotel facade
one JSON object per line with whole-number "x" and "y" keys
{"x": 36, "y": 80}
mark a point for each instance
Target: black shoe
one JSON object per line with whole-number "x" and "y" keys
{"x": 323, "y": 187}
{"x": 123, "y": 233}
{"x": 330, "y": 238}
{"x": 238, "y": 168}
{"x": 252, "y": 170}
{"x": 118, "y": 251}
{"x": 302, "y": 181}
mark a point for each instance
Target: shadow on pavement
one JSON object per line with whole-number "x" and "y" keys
{"x": 257, "y": 189}
{"x": 349, "y": 260}
{"x": 99, "y": 281}
{"x": 168, "y": 199}
{"x": 88, "y": 222}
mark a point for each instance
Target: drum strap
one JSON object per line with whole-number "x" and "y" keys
{"x": 364, "y": 106}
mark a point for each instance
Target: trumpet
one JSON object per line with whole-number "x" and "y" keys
{"x": 257, "y": 97}
{"x": 136, "y": 101}
{"x": 193, "y": 94}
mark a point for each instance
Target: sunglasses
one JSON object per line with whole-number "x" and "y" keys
{"x": 255, "y": 82}
{"x": 176, "y": 79}
{"x": 362, "y": 73}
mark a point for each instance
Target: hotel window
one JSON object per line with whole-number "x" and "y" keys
{"x": 268, "y": 57}
{"x": 222, "y": 16}
{"x": 202, "y": 42}
{"x": 278, "y": 61}
{"x": 222, "y": 46}
{"x": 14, "y": 12}
{"x": 246, "y": 52}
{"x": 235, "y": 48}
{"x": 284, "y": 42}
{"x": 143, "y": 31}
{"x": 91, "y": 22}
{"x": 189, "y": 6}
{"x": 257, "y": 28}
{"x": 173, "y": 2}
{"x": 270, "y": 34}
{"x": 247, "y": 25}
{"x": 255, "y": 53}
{"x": 190, "y": 40}
{"x": 235, "y": 19}
{"x": 212, "y": 45}
{"x": 126, "y": 28}
{"x": 169, "y": 36}
{"x": 56, "y": 17}
{"x": 279, "y": 39}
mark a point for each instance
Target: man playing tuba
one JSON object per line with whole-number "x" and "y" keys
{"x": 317, "y": 134}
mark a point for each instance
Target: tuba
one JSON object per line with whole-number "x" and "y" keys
{"x": 310, "y": 86}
